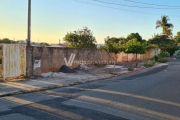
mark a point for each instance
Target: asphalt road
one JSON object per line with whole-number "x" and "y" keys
{"x": 148, "y": 95}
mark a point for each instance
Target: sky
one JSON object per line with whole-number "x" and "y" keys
{"x": 53, "y": 19}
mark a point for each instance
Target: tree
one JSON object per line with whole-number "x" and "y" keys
{"x": 135, "y": 47}
{"x": 80, "y": 39}
{"x": 7, "y": 41}
{"x": 177, "y": 37}
{"x": 43, "y": 44}
{"x": 134, "y": 35}
{"x": 164, "y": 43}
{"x": 166, "y": 27}
{"x": 114, "y": 45}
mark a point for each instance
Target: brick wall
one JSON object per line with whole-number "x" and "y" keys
{"x": 123, "y": 57}
{"x": 53, "y": 58}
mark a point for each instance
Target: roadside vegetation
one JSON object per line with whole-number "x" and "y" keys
{"x": 132, "y": 44}
{"x": 82, "y": 38}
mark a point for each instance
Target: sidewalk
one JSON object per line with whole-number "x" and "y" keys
{"x": 40, "y": 83}
{"x": 59, "y": 80}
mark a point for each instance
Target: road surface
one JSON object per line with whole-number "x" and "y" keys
{"x": 151, "y": 95}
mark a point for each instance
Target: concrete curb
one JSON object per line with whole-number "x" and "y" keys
{"x": 31, "y": 91}
{"x": 72, "y": 84}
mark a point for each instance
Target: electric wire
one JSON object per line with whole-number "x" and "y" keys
{"x": 149, "y": 3}
{"x": 120, "y": 9}
{"x": 112, "y": 3}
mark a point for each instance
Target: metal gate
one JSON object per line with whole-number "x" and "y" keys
{"x": 12, "y": 60}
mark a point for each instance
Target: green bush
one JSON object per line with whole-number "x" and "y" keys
{"x": 164, "y": 54}
{"x": 161, "y": 56}
{"x": 162, "y": 61}
{"x": 149, "y": 64}
{"x": 172, "y": 50}
{"x": 156, "y": 58}
{"x": 130, "y": 69}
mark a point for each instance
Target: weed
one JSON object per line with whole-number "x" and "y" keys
{"x": 162, "y": 61}
{"x": 76, "y": 83}
{"x": 131, "y": 69}
{"x": 150, "y": 64}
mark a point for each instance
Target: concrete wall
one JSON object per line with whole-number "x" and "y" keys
{"x": 53, "y": 58}
{"x": 123, "y": 57}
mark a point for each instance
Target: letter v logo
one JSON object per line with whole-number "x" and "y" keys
{"x": 70, "y": 61}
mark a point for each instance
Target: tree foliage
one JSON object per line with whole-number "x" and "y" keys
{"x": 135, "y": 35}
{"x": 166, "y": 27}
{"x": 80, "y": 39}
{"x": 162, "y": 41}
{"x": 114, "y": 45}
{"x": 177, "y": 37}
{"x": 43, "y": 44}
{"x": 135, "y": 47}
{"x": 6, "y": 41}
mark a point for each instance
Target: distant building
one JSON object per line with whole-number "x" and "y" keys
{"x": 35, "y": 44}
{"x": 22, "y": 41}
{"x": 58, "y": 45}
{"x": 42, "y": 44}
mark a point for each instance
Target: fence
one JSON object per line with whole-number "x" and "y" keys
{"x": 12, "y": 60}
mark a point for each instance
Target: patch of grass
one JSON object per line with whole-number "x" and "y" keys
{"x": 113, "y": 73}
{"x": 99, "y": 65}
{"x": 162, "y": 61}
{"x": 76, "y": 83}
{"x": 131, "y": 69}
{"x": 149, "y": 64}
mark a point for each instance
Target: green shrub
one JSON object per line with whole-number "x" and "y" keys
{"x": 164, "y": 54}
{"x": 130, "y": 69}
{"x": 156, "y": 58}
{"x": 149, "y": 64}
{"x": 162, "y": 61}
{"x": 172, "y": 50}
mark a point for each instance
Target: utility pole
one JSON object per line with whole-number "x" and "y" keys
{"x": 29, "y": 24}
{"x": 29, "y": 57}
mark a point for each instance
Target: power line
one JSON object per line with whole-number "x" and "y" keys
{"x": 149, "y": 3}
{"x": 120, "y": 9}
{"x": 131, "y": 5}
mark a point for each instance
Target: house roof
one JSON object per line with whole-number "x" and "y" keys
{"x": 59, "y": 45}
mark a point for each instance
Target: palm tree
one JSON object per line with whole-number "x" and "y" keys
{"x": 166, "y": 27}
